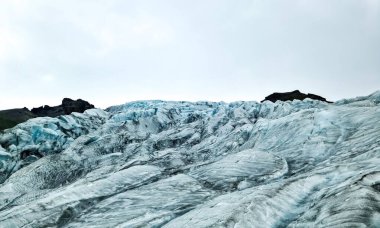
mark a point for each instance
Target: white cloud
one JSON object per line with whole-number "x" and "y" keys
{"x": 372, "y": 13}
{"x": 123, "y": 32}
{"x": 184, "y": 49}
{"x": 47, "y": 78}
{"x": 11, "y": 45}
{"x": 372, "y": 4}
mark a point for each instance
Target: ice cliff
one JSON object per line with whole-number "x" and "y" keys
{"x": 181, "y": 164}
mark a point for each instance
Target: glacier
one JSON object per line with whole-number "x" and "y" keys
{"x": 196, "y": 164}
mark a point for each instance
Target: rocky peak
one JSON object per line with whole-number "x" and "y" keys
{"x": 294, "y": 95}
{"x": 68, "y": 106}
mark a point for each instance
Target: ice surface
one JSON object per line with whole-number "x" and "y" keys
{"x": 203, "y": 164}
{"x": 29, "y": 141}
{"x": 248, "y": 166}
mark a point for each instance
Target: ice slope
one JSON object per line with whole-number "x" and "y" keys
{"x": 204, "y": 164}
{"x": 31, "y": 140}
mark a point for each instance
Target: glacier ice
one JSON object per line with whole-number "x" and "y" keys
{"x": 42, "y": 136}
{"x": 201, "y": 164}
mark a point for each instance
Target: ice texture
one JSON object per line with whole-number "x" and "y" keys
{"x": 196, "y": 164}
{"x": 35, "y": 138}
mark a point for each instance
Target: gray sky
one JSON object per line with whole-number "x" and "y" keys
{"x": 113, "y": 51}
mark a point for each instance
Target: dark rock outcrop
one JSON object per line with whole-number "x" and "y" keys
{"x": 12, "y": 117}
{"x": 294, "y": 95}
{"x": 68, "y": 106}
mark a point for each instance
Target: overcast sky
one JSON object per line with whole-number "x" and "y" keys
{"x": 113, "y": 51}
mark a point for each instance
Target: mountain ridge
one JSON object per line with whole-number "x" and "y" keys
{"x": 11, "y": 117}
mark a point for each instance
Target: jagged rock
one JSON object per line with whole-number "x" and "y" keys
{"x": 68, "y": 106}
{"x": 294, "y": 95}
{"x": 11, "y": 117}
